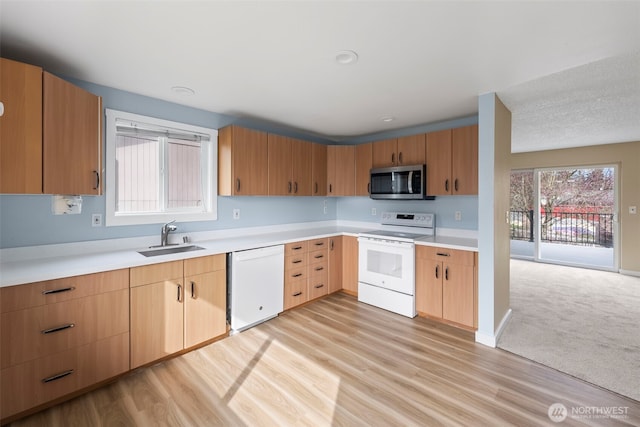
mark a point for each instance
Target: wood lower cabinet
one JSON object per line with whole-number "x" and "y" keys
{"x": 446, "y": 285}
{"x": 350, "y": 265}
{"x": 72, "y": 138}
{"x": 176, "y": 305}
{"x": 61, "y": 336}
{"x": 242, "y": 162}
{"x": 20, "y": 128}
{"x": 335, "y": 264}
{"x": 306, "y": 271}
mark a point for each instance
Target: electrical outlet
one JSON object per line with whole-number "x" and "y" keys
{"x": 236, "y": 214}
{"x": 633, "y": 210}
{"x": 96, "y": 220}
{"x": 374, "y": 212}
{"x": 458, "y": 216}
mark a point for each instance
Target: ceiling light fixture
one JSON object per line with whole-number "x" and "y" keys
{"x": 183, "y": 90}
{"x": 387, "y": 119}
{"x": 346, "y": 57}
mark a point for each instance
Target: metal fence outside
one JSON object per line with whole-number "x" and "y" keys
{"x": 573, "y": 228}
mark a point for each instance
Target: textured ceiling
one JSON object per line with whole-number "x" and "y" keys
{"x": 420, "y": 62}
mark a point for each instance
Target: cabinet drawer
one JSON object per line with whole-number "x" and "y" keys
{"x": 451, "y": 256}
{"x": 39, "y": 331}
{"x": 54, "y": 291}
{"x": 318, "y": 285}
{"x": 155, "y": 273}
{"x": 318, "y": 244}
{"x": 205, "y": 264}
{"x": 320, "y": 255}
{"x": 295, "y": 248}
{"x": 296, "y": 261}
{"x": 295, "y": 274}
{"x": 38, "y": 381}
{"x": 295, "y": 293}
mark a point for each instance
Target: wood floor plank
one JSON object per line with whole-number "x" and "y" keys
{"x": 338, "y": 362}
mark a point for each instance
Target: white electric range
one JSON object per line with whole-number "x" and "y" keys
{"x": 386, "y": 266}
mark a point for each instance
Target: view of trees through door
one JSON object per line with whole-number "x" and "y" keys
{"x": 564, "y": 215}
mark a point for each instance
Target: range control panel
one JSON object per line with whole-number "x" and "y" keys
{"x": 408, "y": 219}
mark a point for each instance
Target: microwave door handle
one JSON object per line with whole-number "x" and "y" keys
{"x": 410, "y": 182}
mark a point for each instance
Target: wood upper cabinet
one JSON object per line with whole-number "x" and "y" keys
{"x": 464, "y": 160}
{"x": 176, "y": 305}
{"x": 452, "y": 161}
{"x": 72, "y": 138}
{"x": 341, "y": 177}
{"x": 335, "y": 263}
{"x": 319, "y": 170}
{"x": 350, "y": 264}
{"x": 242, "y": 162}
{"x": 407, "y": 150}
{"x": 364, "y": 162}
{"x": 446, "y": 285}
{"x": 20, "y": 128}
{"x": 290, "y": 162}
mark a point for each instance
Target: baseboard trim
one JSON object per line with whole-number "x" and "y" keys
{"x": 492, "y": 340}
{"x": 630, "y": 273}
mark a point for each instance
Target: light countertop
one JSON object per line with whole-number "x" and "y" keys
{"x": 16, "y": 270}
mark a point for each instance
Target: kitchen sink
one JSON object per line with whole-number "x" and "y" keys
{"x": 170, "y": 250}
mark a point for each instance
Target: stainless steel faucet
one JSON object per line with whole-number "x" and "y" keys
{"x": 164, "y": 232}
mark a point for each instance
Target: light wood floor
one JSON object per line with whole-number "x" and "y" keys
{"x": 339, "y": 362}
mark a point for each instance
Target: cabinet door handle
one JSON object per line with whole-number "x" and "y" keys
{"x": 97, "y": 180}
{"x": 446, "y": 273}
{"x": 446, "y": 184}
{"x": 455, "y": 184}
{"x": 57, "y": 376}
{"x": 400, "y": 158}
{"x": 289, "y": 187}
{"x": 316, "y": 190}
{"x": 179, "y": 292}
{"x": 319, "y": 285}
{"x": 393, "y": 158}
{"x": 437, "y": 271}
{"x": 330, "y": 189}
{"x": 295, "y": 187}
{"x": 57, "y": 291}
{"x": 369, "y": 187}
{"x": 58, "y": 328}
{"x": 331, "y": 244}
{"x": 297, "y": 294}
{"x": 193, "y": 290}
{"x": 296, "y": 275}
{"x": 442, "y": 254}
{"x": 238, "y": 185}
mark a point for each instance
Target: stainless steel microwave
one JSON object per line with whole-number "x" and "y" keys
{"x": 399, "y": 183}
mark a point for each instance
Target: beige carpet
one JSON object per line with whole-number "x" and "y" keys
{"x": 579, "y": 321}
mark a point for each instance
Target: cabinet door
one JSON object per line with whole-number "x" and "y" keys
{"x": 319, "y": 170}
{"x": 341, "y": 170}
{"x": 279, "y": 152}
{"x": 20, "y": 128}
{"x": 242, "y": 162}
{"x": 458, "y": 294}
{"x": 72, "y": 138}
{"x": 301, "y": 167}
{"x": 385, "y": 153}
{"x": 438, "y": 153}
{"x": 411, "y": 150}
{"x": 157, "y": 321}
{"x": 350, "y": 265}
{"x": 428, "y": 286}
{"x": 335, "y": 264}
{"x": 364, "y": 162}
{"x": 205, "y": 314}
{"x": 464, "y": 158}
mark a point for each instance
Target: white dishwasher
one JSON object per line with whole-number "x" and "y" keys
{"x": 256, "y": 287}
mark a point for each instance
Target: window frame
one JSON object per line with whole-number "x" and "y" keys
{"x": 209, "y": 174}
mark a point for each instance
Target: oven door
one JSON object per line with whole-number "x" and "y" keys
{"x": 388, "y": 264}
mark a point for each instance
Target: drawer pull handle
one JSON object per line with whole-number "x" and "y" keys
{"x": 297, "y": 261}
{"x": 319, "y": 268}
{"x": 297, "y": 248}
{"x": 297, "y": 294}
{"x": 318, "y": 286}
{"x": 319, "y": 256}
{"x": 442, "y": 254}
{"x": 58, "y": 328}
{"x": 296, "y": 275}
{"x": 319, "y": 243}
{"x": 57, "y": 291}
{"x": 57, "y": 376}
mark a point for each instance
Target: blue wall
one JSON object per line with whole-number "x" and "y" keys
{"x": 26, "y": 220}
